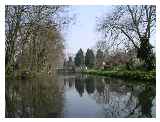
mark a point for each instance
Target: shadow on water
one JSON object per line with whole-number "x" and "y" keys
{"x": 37, "y": 97}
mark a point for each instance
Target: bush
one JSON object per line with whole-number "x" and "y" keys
{"x": 136, "y": 75}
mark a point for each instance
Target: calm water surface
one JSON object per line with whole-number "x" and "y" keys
{"x": 90, "y": 96}
{"x": 79, "y": 96}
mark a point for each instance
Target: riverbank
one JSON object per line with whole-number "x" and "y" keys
{"x": 125, "y": 74}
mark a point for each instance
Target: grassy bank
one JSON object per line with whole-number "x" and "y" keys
{"x": 125, "y": 74}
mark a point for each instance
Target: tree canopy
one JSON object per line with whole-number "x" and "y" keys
{"x": 79, "y": 58}
{"x": 99, "y": 58}
{"x": 89, "y": 58}
{"x": 33, "y": 36}
{"x": 134, "y": 24}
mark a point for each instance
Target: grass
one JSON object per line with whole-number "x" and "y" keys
{"x": 126, "y": 74}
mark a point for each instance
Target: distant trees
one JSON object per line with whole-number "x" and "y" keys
{"x": 89, "y": 58}
{"x": 135, "y": 24}
{"x": 99, "y": 58}
{"x": 108, "y": 55}
{"x": 79, "y": 58}
{"x": 119, "y": 57}
{"x": 70, "y": 62}
{"x": 69, "y": 65}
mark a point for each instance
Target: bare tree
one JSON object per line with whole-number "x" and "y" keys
{"x": 131, "y": 23}
{"x": 24, "y": 26}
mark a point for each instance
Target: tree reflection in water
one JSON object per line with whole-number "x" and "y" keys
{"x": 117, "y": 98}
{"x": 99, "y": 96}
{"x": 145, "y": 100}
{"x": 90, "y": 85}
{"x": 38, "y": 97}
{"x": 79, "y": 85}
{"x": 100, "y": 85}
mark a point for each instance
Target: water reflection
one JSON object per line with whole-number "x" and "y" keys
{"x": 38, "y": 97}
{"x": 100, "y": 86}
{"x": 90, "y": 85}
{"x": 113, "y": 98}
{"x": 79, "y": 85}
{"x": 78, "y": 96}
{"x": 145, "y": 100}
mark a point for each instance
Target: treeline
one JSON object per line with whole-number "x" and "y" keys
{"x": 34, "y": 40}
{"x": 101, "y": 59}
{"x": 80, "y": 60}
{"x": 126, "y": 39}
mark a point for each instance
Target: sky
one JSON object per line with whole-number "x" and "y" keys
{"x": 83, "y": 33}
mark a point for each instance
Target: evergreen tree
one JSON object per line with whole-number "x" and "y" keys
{"x": 89, "y": 58}
{"x": 79, "y": 58}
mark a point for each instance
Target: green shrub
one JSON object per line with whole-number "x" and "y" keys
{"x": 136, "y": 74}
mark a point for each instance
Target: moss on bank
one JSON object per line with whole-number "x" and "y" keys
{"x": 125, "y": 74}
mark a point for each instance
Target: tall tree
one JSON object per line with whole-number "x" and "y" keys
{"x": 33, "y": 34}
{"x": 70, "y": 62}
{"x": 79, "y": 58}
{"x": 89, "y": 58}
{"x": 99, "y": 58}
{"x": 132, "y": 23}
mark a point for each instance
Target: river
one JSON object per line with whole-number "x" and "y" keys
{"x": 76, "y": 95}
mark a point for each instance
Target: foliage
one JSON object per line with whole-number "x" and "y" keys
{"x": 131, "y": 24}
{"x": 145, "y": 53}
{"x": 137, "y": 75}
{"x": 33, "y": 37}
{"x": 79, "y": 58}
{"x": 89, "y": 58}
{"x": 69, "y": 65}
{"x": 99, "y": 58}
